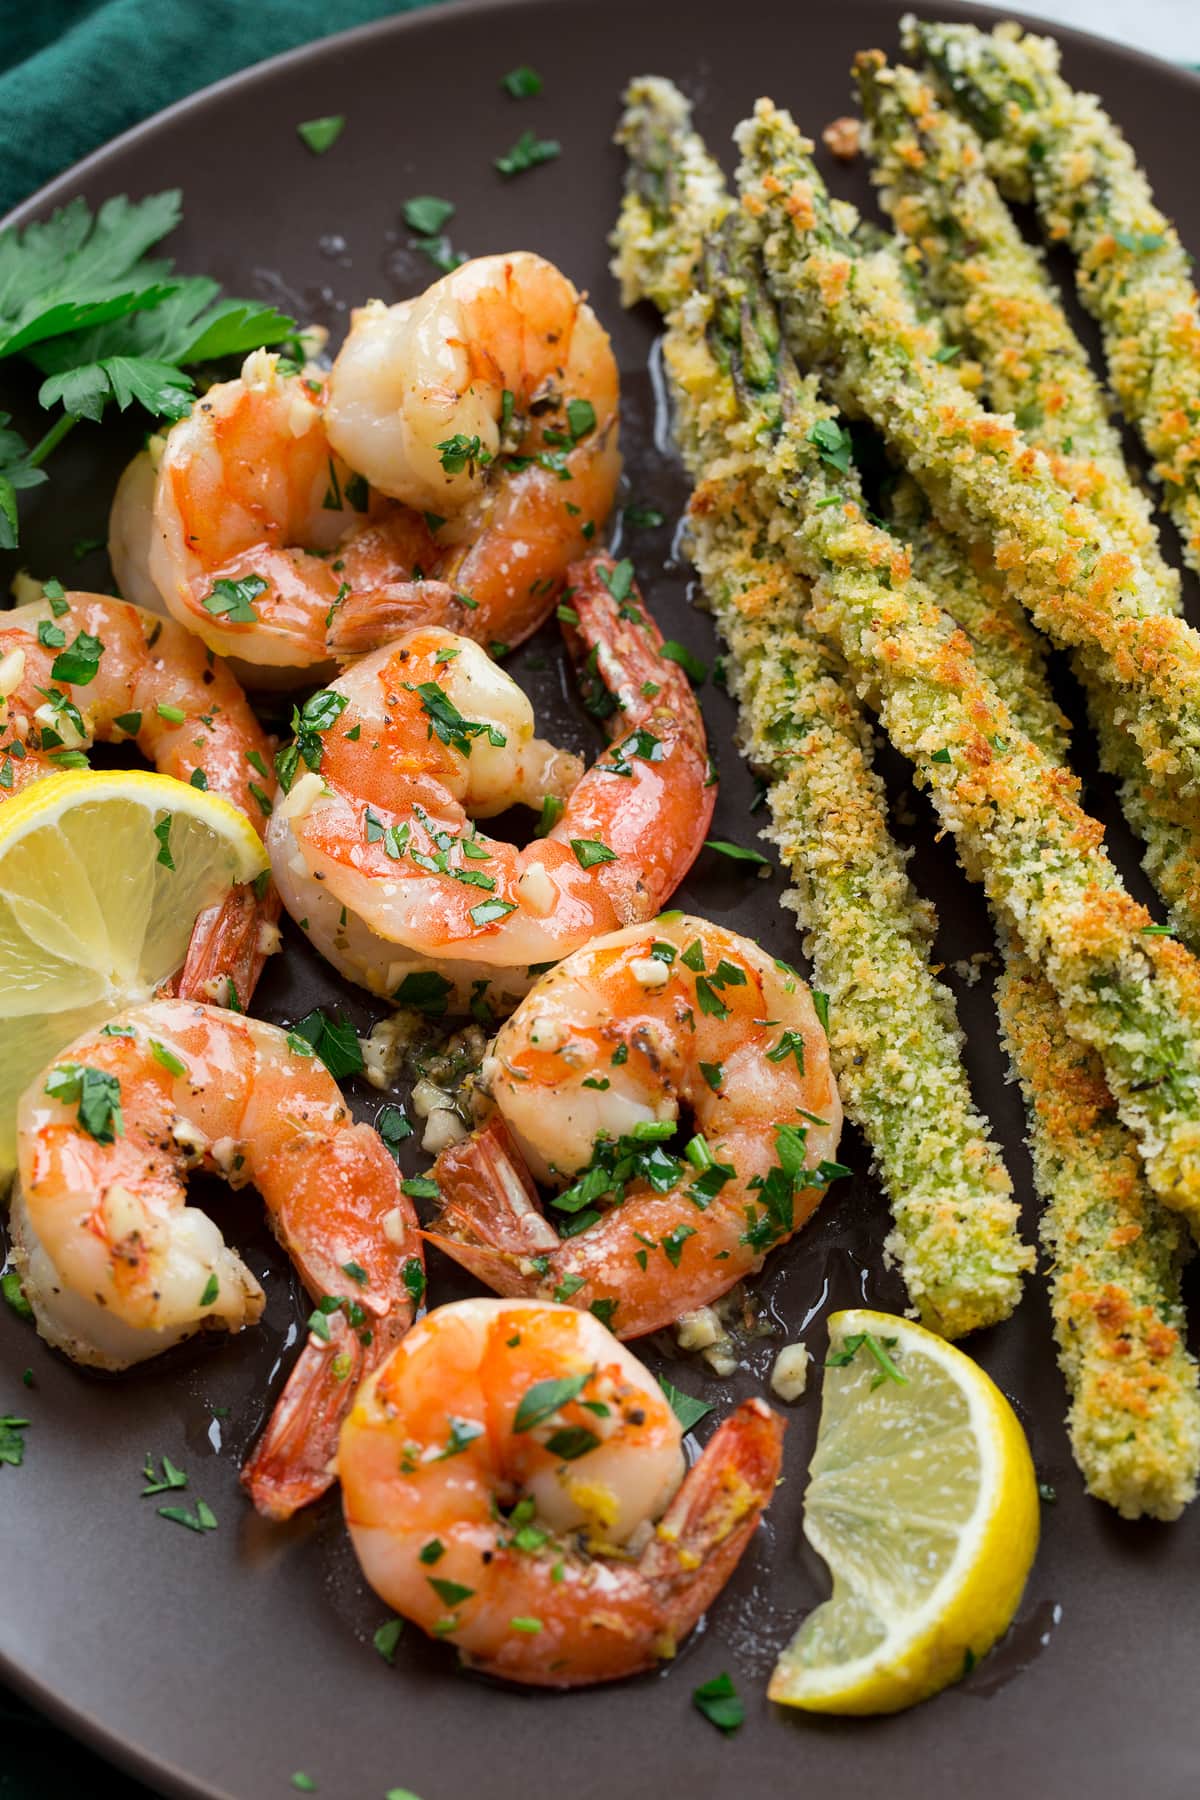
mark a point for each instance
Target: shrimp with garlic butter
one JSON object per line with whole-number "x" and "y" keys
{"x": 374, "y": 846}
{"x": 513, "y": 1482}
{"x": 76, "y": 669}
{"x": 591, "y": 1079}
{"x": 118, "y": 1267}
{"x": 459, "y": 454}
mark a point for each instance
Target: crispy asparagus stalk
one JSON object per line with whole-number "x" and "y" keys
{"x": 1047, "y": 142}
{"x": 850, "y": 311}
{"x": 1114, "y": 1259}
{"x": 1019, "y": 826}
{"x": 893, "y": 1035}
{"x": 1003, "y": 311}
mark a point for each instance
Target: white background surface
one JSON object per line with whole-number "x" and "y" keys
{"x": 1169, "y": 28}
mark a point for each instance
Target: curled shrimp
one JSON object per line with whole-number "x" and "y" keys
{"x": 118, "y": 1267}
{"x": 513, "y": 1482}
{"x": 629, "y": 1038}
{"x": 79, "y": 668}
{"x": 490, "y": 405}
{"x": 375, "y": 850}
{"x": 266, "y": 542}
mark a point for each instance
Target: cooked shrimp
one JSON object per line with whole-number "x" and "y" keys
{"x": 374, "y": 848}
{"x": 490, "y": 405}
{"x": 118, "y": 1267}
{"x": 593, "y": 1074}
{"x": 511, "y": 1479}
{"x": 76, "y": 668}
{"x": 249, "y": 506}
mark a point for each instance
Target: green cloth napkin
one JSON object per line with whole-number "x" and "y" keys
{"x": 74, "y": 73}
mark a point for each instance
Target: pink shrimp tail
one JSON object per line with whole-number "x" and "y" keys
{"x": 702, "y": 1536}
{"x": 292, "y": 1463}
{"x": 368, "y": 618}
{"x": 232, "y": 940}
{"x": 490, "y": 1221}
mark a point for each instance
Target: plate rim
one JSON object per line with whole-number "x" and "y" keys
{"x": 85, "y": 1726}
{"x": 54, "y": 191}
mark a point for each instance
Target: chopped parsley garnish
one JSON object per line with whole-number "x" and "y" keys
{"x": 877, "y": 1348}
{"x": 528, "y": 151}
{"x": 821, "y": 1008}
{"x": 14, "y": 1294}
{"x": 162, "y": 1481}
{"x": 203, "y": 1519}
{"x": 790, "y": 1044}
{"x": 98, "y": 1095}
{"x": 167, "y": 1059}
{"x": 461, "y": 452}
{"x": 735, "y": 852}
{"x": 12, "y": 1446}
{"x": 448, "y": 724}
{"x": 334, "y": 1040}
{"x": 544, "y": 1398}
{"x": 392, "y": 1124}
{"x": 428, "y": 215}
{"x": 425, "y": 991}
{"x": 590, "y": 851}
{"x": 79, "y": 664}
{"x": 552, "y": 811}
{"x": 413, "y": 1277}
{"x": 462, "y": 1433}
{"x": 693, "y": 666}
{"x": 387, "y": 1640}
{"x": 720, "y": 1703}
{"x": 522, "y": 83}
{"x": 833, "y": 444}
{"x": 647, "y": 518}
{"x": 420, "y": 1187}
{"x": 687, "y": 1409}
{"x": 320, "y": 135}
{"x": 319, "y": 714}
{"x": 232, "y": 599}
{"x": 618, "y": 580}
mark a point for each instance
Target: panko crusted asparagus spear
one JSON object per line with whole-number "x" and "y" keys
{"x": 1048, "y": 143}
{"x": 1114, "y": 1261}
{"x": 893, "y": 1035}
{"x": 1114, "y": 1253}
{"x": 1017, "y": 819}
{"x": 1002, "y": 309}
{"x": 850, "y": 311}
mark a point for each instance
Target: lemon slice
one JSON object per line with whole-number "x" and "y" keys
{"x": 922, "y": 1500}
{"x": 93, "y": 916}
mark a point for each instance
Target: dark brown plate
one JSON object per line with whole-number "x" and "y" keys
{"x": 217, "y": 1665}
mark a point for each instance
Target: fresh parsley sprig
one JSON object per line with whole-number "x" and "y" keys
{"x": 81, "y": 299}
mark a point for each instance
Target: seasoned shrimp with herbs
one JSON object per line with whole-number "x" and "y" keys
{"x": 674, "y": 1026}
{"x": 374, "y": 843}
{"x": 76, "y": 669}
{"x": 118, "y": 1267}
{"x": 513, "y": 1482}
{"x": 490, "y": 406}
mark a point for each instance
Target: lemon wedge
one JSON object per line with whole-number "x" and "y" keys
{"x": 101, "y": 879}
{"x": 922, "y": 1500}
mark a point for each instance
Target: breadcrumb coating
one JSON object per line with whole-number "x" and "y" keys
{"x": 1058, "y": 147}
{"x": 1114, "y": 1259}
{"x": 893, "y": 1035}
{"x": 849, "y": 312}
{"x": 1020, "y": 829}
{"x": 1001, "y": 308}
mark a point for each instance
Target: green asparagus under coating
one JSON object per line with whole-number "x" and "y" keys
{"x": 893, "y": 1035}
{"x": 1002, "y": 309}
{"x": 1114, "y": 1259}
{"x": 1047, "y": 142}
{"x": 1133, "y": 995}
{"x": 850, "y": 311}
